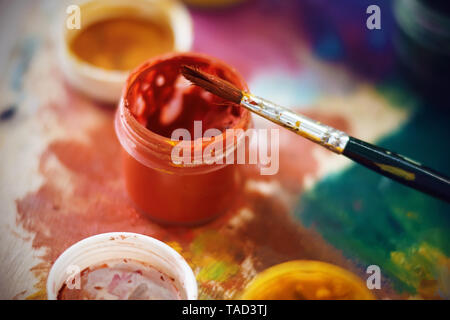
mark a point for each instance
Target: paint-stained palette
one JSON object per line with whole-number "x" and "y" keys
{"x": 61, "y": 178}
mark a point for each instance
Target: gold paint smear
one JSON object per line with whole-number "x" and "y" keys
{"x": 397, "y": 171}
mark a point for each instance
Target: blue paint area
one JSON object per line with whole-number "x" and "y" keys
{"x": 338, "y": 33}
{"x": 377, "y": 39}
{"x": 329, "y": 47}
{"x": 286, "y": 89}
{"x": 21, "y": 64}
{"x": 8, "y": 113}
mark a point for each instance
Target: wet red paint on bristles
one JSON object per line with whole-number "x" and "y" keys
{"x": 213, "y": 84}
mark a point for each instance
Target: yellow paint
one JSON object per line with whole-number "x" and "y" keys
{"x": 173, "y": 143}
{"x": 423, "y": 267}
{"x": 412, "y": 215}
{"x": 307, "y": 280}
{"x": 213, "y": 257}
{"x": 163, "y": 170}
{"x": 39, "y": 295}
{"x": 175, "y": 246}
{"x": 213, "y": 270}
{"x": 121, "y": 43}
{"x": 309, "y": 136}
{"x": 397, "y": 171}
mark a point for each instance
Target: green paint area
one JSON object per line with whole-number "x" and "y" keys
{"x": 217, "y": 271}
{"x": 374, "y": 220}
{"x": 214, "y": 254}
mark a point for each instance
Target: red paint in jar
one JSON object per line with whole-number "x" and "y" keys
{"x": 157, "y": 100}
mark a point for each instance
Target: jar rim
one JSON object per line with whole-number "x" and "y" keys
{"x": 144, "y": 140}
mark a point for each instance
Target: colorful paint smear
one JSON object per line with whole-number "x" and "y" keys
{"x": 346, "y": 215}
{"x": 401, "y": 230}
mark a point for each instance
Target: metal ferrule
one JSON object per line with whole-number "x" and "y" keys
{"x": 328, "y": 137}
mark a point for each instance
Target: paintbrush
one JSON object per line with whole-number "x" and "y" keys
{"x": 382, "y": 161}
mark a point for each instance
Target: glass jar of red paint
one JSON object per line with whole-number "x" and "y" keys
{"x": 156, "y": 101}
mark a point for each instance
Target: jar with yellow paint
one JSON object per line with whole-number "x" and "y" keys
{"x": 116, "y": 36}
{"x": 307, "y": 280}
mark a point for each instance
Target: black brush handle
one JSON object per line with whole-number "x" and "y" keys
{"x": 398, "y": 168}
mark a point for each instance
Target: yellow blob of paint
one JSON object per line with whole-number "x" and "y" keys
{"x": 307, "y": 280}
{"x": 122, "y": 43}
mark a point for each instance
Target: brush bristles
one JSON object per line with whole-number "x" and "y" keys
{"x": 213, "y": 84}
